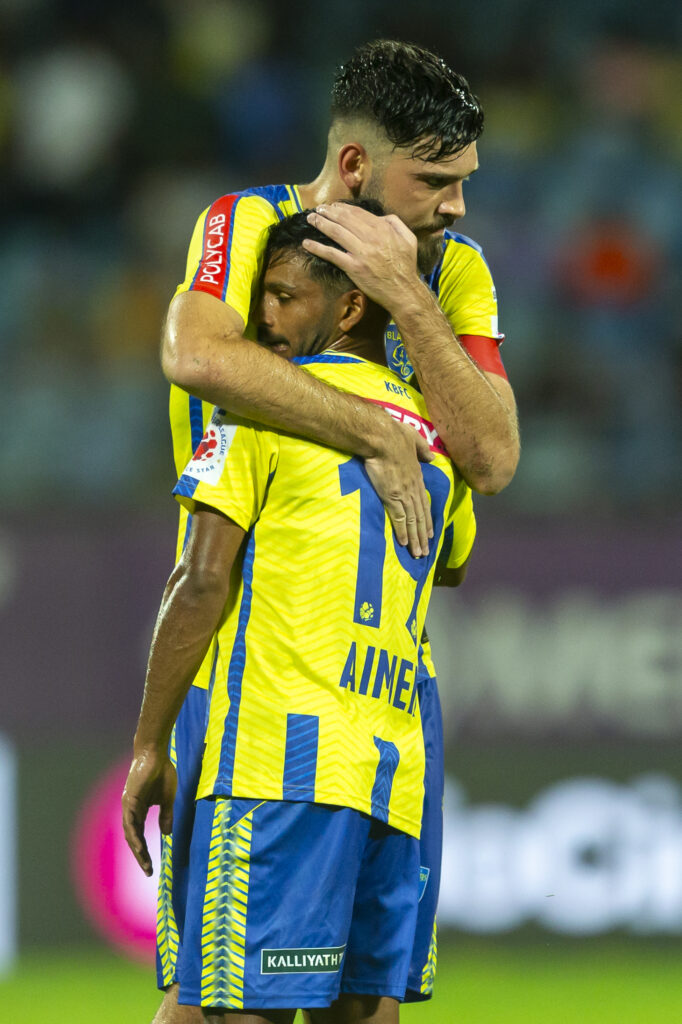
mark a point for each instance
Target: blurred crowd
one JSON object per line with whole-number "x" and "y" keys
{"x": 119, "y": 123}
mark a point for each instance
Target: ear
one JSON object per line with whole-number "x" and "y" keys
{"x": 355, "y": 167}
{"x": 352, "y": 308}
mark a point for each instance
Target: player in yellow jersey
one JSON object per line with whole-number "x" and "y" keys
{"x": 304, "y": 880}
{"x": 404, "y": 127}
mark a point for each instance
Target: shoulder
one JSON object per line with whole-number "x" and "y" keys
{"x": 269, "y": 203}
{"x": 353, "y": 374}
{"x": 461, "y": 248}
{"x": 462, "y": 266}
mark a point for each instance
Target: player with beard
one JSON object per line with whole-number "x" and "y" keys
{"x": 404, "y": 128}
{"x": 304, "y": 864}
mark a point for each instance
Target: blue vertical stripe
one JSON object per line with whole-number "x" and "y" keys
{"x": 196, "y": 426}
{"x": 372, "y": 549}
{"x": 228, "y": 251}
{"x": 196, "y": 421}
{"x": 188, "y": 530}
{"x": 389, "y": 756}
{"x": 235, "y": 673}
{"x": 300, "y": 757}
{"x": 211, "y": 683}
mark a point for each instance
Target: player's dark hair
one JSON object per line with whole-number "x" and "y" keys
{"x": 285, "y": 239}
{"x": 412, "y": 95}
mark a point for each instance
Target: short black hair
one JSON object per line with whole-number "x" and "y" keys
{"x": 412, "y": 94}
{"x": 286, "y": 237}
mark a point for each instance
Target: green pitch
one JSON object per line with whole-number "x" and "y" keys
{"x": 479, "y": 982}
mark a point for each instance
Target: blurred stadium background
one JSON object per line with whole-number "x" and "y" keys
{"x": 559, "y": 660}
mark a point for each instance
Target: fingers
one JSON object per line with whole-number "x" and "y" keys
{"x": 409, "y": 522}
{"x": 151, "y": 780}
{"x": 166, "y": 818}
{"x": 407, "y": 505}
{"x": 333, "y": 228}
{"x": 327, "y": 252}
{"x": 397, "y": 514}
{"x": 417, "y": 532}
{"x": 133, "y": 829}
{"x": 424, "y": 454}
{"x": 401, "y": 228}
{"x": 353, "y": 220}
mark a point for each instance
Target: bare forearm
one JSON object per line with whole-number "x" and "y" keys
{"x": 226, "y": 370}
{"x": 205, "y": 354}
{"x": 183, "y": 631}
{"x": 476, "y": 422}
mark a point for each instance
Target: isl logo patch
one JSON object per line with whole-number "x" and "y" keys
{"x": 322, "y": 960}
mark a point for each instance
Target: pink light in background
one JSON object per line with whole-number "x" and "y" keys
{"x": 118, "y": 899}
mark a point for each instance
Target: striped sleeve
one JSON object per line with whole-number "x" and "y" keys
{"x": 226, "y": 250}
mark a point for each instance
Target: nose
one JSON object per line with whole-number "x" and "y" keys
{"x": 452, "y": 205}
{"x": 265, "y": 310}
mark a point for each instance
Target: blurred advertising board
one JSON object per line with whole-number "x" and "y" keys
{"x": 559, "y": 666}
{"x": 555, "y": 631}
{"x": 574, "y": 855}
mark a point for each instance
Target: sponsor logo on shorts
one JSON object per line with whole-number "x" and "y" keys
{"x": 423, "y": 880}
{"x": 325, "y": 960}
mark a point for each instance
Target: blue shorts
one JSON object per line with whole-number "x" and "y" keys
{"x": 188, "y": 747}
{"x": 424, "y": 948}
{"x": 291, "y": 903}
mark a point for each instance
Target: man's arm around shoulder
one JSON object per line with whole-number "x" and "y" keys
{"x": 205, "y": 353}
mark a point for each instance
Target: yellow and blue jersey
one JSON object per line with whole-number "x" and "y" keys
{"x": 313, "y": 666}
{"x": 462, "y": 281}
{"x": 225, "y": 260}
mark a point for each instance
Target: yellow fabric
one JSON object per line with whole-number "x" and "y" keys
{"x": 241, "y": 248}
{"x": 306, "y": 634}
{"x": 465, "y": 290}
{"x": 466, "y": 294}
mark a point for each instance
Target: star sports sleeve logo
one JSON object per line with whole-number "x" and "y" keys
{"x": 209, "y": 458}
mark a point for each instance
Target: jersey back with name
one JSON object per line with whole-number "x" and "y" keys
{"x": 313, "y": 667}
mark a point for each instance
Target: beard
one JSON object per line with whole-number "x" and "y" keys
{"x": 429, "y": 253}
{"x": 429, "y": 246}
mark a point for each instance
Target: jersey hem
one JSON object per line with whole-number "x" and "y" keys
{"x": 397, "y": 821}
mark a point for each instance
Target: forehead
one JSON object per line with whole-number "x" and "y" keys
{"x": 288, "y": 265}
{"x": 461, "y": 165}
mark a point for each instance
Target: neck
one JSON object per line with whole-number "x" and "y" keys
{"x": 366, "y": 339}
{"x": 373, "y": 351}
{"x": 327, "y": 187}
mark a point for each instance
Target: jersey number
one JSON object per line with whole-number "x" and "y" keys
{"x": 372, "y": 554}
